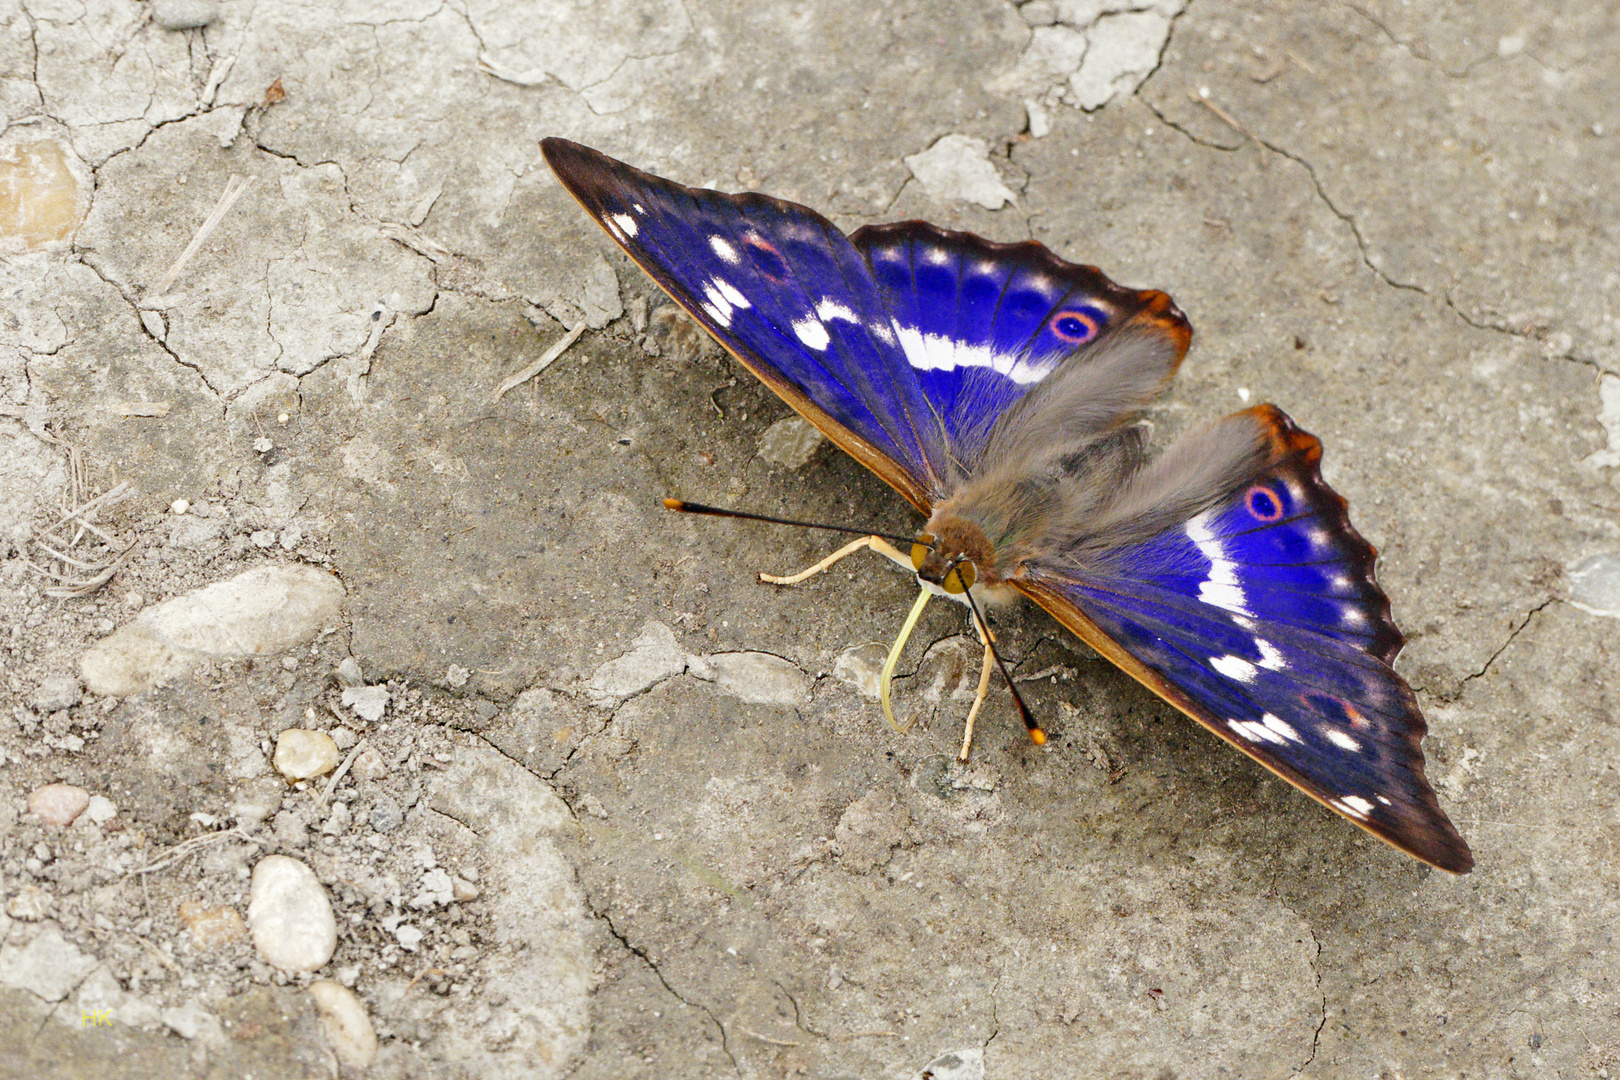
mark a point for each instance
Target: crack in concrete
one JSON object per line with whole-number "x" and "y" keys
{"x": 798, "y": 1014}
{"x": 641, "y": 954}
{"x": 1418, "y": 53}
{"x": 1515, "y": 632}
{"x": 1362, "y": 246}
{"x": 135, "y": 307}
{"x": 1316, "y": 973}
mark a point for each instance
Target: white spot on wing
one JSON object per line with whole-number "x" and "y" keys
{"x": 1281, "y": 727}
{"x": 627, "y": 224}
{"x": 729, "y": 291}
{"x": 1271, "y": 658}
{"x": 1354, "y": 805}
{"x": 1256, "y": 732}
{"x": 1233, "y": 667}
{"x": 832, "y": 309}
{"x": 1221, "y": 589}
{"x": 936, "y": 352}
{"x": 812, "y": 333}
{"x": 722, "y": 247}
{"x": 1341, "y": 740}
{"x": 717, "y": 305}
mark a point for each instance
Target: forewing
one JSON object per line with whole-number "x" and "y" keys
{"x": 1259, "y": 617}
{"x": 780, "y": 287}
{"x": 983, "y": 324}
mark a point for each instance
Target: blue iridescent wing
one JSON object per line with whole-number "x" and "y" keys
{"x": 781, "y": 288}
{"x": 983, "y": 323}
{"x": 903, "y": 344}
{"x": 1259, "y": 617}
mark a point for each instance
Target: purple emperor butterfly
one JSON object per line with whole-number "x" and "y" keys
{"x": 999, "y": 390}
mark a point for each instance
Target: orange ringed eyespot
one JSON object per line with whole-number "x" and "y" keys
{"x": 1263, "y": 503}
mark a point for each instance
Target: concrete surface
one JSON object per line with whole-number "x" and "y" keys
{"x": 1396, "y": 220}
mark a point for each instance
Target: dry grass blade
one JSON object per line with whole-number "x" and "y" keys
{"x": 539, "y": 365}
{"x": 234, "y": 189}
{"x": 183, "y": 850}
{"x": 78, "y": 574}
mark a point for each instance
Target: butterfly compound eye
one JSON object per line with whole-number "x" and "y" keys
{"x": 960, "y": 579}
{"x": 920, "y": 549}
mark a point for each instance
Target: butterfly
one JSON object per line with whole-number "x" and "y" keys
{"x": 1000, "y": 389}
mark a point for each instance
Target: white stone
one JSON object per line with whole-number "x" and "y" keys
{"x": 101, "y": 809}
{"x": 860, "y": 666}
{"x": 290, "y": 916}
{"x": 1594, "y": 584}
{"x": 538, "y": 913}
{"x": 57, "y": 692}
{"x": 58, "y": 805}
{"x": 965, "y": 1064}
{"x": 30, "y": 904}
{"x": 49, "y": 966}
{"x": 790, "y": 442}
{"x": 1122, "y": 50}
{"x": 1040, "y": 121}
{"x": 301, "y": 754}
{"x": 368, "y": 702}
{"x": 184, "y": 14}
{"x": 1052, "y": 55}
{"x": 958, "y": 167}
{"x": 653, "y": 657}
{"x": 755, "y": 677}
{"x": 346, "y": 1025}
{"x": 192, "y": 1020}
{"x": 256, "y": 613}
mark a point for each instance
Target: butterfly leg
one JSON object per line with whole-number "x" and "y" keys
{"x": 876, "y": 543}
{"x": 988, "y": 666}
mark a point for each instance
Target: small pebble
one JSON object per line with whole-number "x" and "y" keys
{"x": 58, "y": 804}
{"x": 343, "y": 1018}
{"x": 409, "y": 938}
{"x": 179, "y": 506}
{"x": 262, "y": 538}
{"x": 101, "y": 809}
{"x": 212, "y": 927}
{"x": 337, "y": 823}
{"x": 31, "y": 903}
{"x": 290, "y": 916}
{"x": 349, "y": 673}
{"x": 301, "y": 754}
{"x": 344, "y": 738}
{"x": 290, "y": 829}
{"x": 57, "y": 692}
{"x": 463, "y": 891}
{"x": 255, "y": 800}
{"x": 368, "y": 765}
{"x": 386, "y": 816}
{"x": 368, "y": 702}
{"x": 184, "y": 14}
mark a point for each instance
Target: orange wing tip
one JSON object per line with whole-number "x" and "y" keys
{"x": 1284, "y": 436}
{"x": 1037, "y": 736}
{"x": 674, "y": 504}
{"x": 1161, "y": 310}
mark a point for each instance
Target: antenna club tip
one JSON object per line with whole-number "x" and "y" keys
{"x": 1037, "y": 736}
{"x": 674, "y": 504}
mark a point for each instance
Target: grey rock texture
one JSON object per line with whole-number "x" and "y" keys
{"x": 612, "y": 808}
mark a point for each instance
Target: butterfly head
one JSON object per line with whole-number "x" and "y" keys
{"x": 948, "y": 557}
